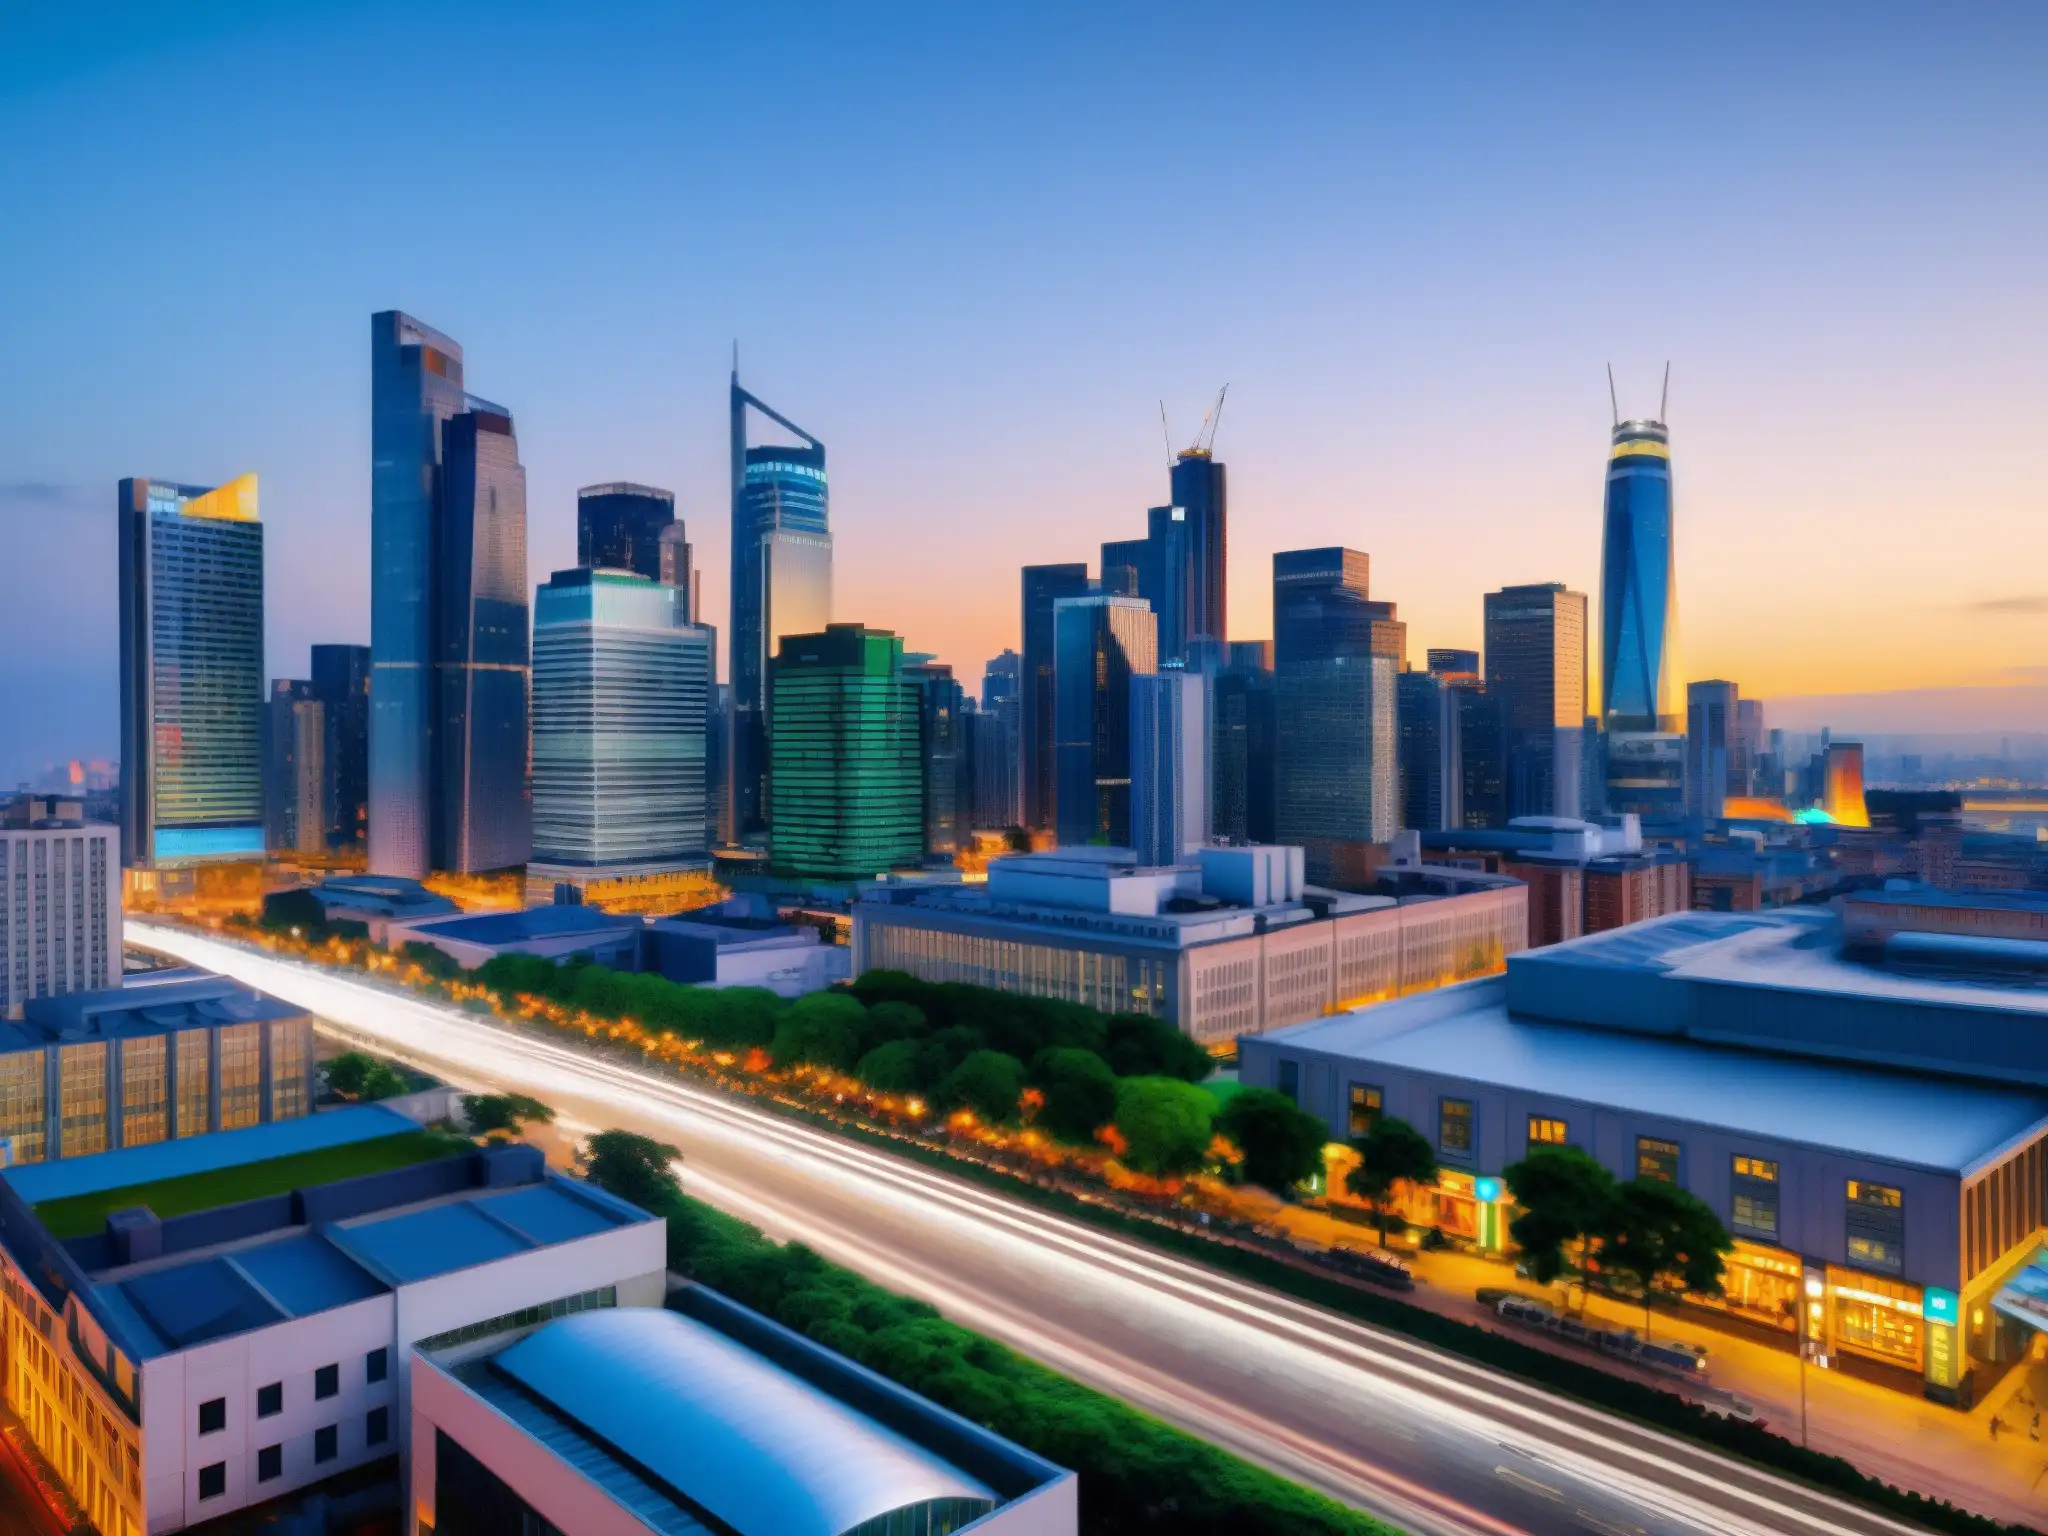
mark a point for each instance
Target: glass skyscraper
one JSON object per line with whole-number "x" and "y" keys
{"x": 781, "y": 583}
{"x": 1241, "y": 744}
{"x": 944, "y": 750}
{"x": 1044, "y": 586}
{"x": 621, "y": 694}
{"x": 1432, "y": 769}
{"x": 191, "y": 572}
{"x": 844, "y": 772}
{"x": 1536, "y": 671}
{"x": 1199, "y": 490}
{"x": 1643, "y": 704}
{"x": 1178, "y": 567}
{"x": 1100, "y": 642}
{"x": 341, "y": 682}
{"x": 619, "y": 527}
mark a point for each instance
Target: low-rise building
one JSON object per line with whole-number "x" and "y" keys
{"x": 1583, "y": 876}
{"x": 552, "y": 932}
{"x": 376, "y": 901}
{"x": 742, "y": 943}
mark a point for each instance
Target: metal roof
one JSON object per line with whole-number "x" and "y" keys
{"x": 532, "y": 923}
{"x": 736, "y": 1435}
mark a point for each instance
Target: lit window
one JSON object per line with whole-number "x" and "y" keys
{"x": 1756, "y": 1168}
{"x": 1656, "y": 1159}
{"x": 1547, "y": 1133}
{"x": 1366, "y": 1102}
{"x": 1454, "y": 1129}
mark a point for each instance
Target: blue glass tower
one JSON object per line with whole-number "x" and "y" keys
{"x": 1642, "y": 711}
{"x": 619, "y": 527}
{"x": 781, "y": 582}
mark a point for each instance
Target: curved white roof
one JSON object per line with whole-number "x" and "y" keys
{"x": 756, "y": 1446}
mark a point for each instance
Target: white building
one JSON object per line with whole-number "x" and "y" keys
{"x": 60, "y": 904}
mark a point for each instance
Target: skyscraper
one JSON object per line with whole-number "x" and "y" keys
{"x": 942, "y": 753}
{"x": 1169, "y": 764}
{"x": 191, "y": 573}
{"x": 992, "y": 742}
{"x": 1199, "y": 490}
{"x": 1746, "y": 755}
{"x": 1536, "y": 670}
{"x": 848, "y": 793}
{"x": 781, "y": 582}
{"x": 1432, "y": 784}
{"x": 999, "y": 679}
{"x": 341, "y": 682}
{"x": 1642, "y": 708}
{"x": 675, "y": 566}
{"x": 448, "y": 615}
{"x": 1044, "y": 586}
{"x": 295, "y": 779}
{"x": 620, "y": 711}
{"x": 1336, "y": 654}
{"x": 619, "y": 527}
{"x": 1710, "y": 747}
{"x": 1100, "y": 642}
{"x": 482, "y": 802}
{"x": 1241, "y": 744}
{"x": 1482, "y": 762}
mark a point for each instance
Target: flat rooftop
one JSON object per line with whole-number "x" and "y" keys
{"x": 149, "y": 1007}
{"x": 531, "y": 923}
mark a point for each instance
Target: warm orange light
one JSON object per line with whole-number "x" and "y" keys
{"x": 1754, "y": 808}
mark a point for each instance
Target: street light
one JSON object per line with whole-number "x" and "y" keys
{"x": 1810, "y": 1328}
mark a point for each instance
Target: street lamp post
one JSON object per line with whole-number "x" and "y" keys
{"x": 1812, "y": 1329}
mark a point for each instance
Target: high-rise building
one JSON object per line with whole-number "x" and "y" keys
{"x": 1336, "y": 654}
{"x": 1044, "y": 585}
{"x": 482, "y": 803}
{"x": 341, "y": 682}
{"x": 1432, "y": 768}
{"x": 448, "y": 614}
{"x": 844, "y": 771}
{"x": 1199, "y": 491}
{"x": 942, "y": 754}
{"x": 191, "y": 572}
{"x": 1169, "y": 765}
{"x": 781, "y": 583}
{"x": 1130, "y": 569}
{"x": 295, "y": 778}
{"x": 619, "y": 527}
{"x": 1536, "y": 671}
{"x": 718, "y": 760}
{"x": 676, "y": 566}
{"x": 60, "y": 903}
{"x": 1100, "y": 642}
{"x": 1448, "y": 662}
{"x": 1642, "y": 707}
{"x": 620, "y": 709}
{"x": 1712, "y": 711}
{"x": 1241, "y": 744}
{"x": 1747, "y": 750}
{"x": 992, "y": 742}
{"x": 1000, "y": 678}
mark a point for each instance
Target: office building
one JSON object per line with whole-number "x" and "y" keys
{"x": 781, "y": 583}
{"x": 1711, "y": 748}
{"x": 60, "y": 903}
{"x": 1001, "y": 678}
{"x": 1241, "y": 746}
{"x": 993, "y": 754}
{"x": 1842, "y": 784}
{"x": 943, "y": 748}
{"x": 1747, "y": 750}
{"x": 191, "y": 572}
{"x": 1044, "y": 585}
{"x": 1431, "y": 766}
{"x": 1448, "y": 661}
{"x": 341, "y": 685}
{"x": 1536, "y": 673}
{"x": 718, "y": 762}
{"x": 621, "y": 690}
{"x": 192, "y": 1365}
{"x": 1583, "y": 877}
{"x": 848, "y": 790}
{"x": 1100, "y": 643}
{"x": 1169, "y": 765}
{"x": 1179, "y": 567}
{"x": 619, "y": 527}
{"x": 450, "y": 671}
{"x": 676, "y": 566}
{"x": 1866, "y": 1127}
{"x": 1642, "y": 708}
{"x": 295, "y": 814}
{"x": 742, "y": 943}
{"x": 1199, "y": 490}
{"x": 1227, "y": 944}
{"x": 1482, "y": 752}
{"x": 1336, "y": 654}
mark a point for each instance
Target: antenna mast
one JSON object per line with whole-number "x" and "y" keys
{"x": 1613, "y": 401}
{"x": 1664, "y": 404}
{"x": 1165, "y": 434}
{"x": 1218, "y": 422}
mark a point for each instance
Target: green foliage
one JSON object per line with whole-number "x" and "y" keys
{"x": 287, "y": 910}
{"x": 488, "y": 1112}
{"x": 1655, "y": 1229}
{"x": 1165, "y": 1124}
{"x": 436, "y": 964}
{"x": 987, "y": 1082}
{"x": 1565, "y": 1196}
{"x": 635, "y": 1168}
{"x": 821, "y": 1030}
{"x": 361, "y": 1076}
{"x": 1282, "y": 1144}
{"x": 1079, "y": 1089}
{"x": 901, "y": 1066}
{"x": 1392, "y": 1153}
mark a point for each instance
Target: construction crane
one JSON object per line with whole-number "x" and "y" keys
{"x": 1205, "y": 439}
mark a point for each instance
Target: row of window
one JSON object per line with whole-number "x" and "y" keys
{"x": 213, "y": 1413}
{"x": 213, "y": 1478}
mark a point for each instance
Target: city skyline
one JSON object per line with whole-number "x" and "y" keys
{"x": 1353, "y": 407}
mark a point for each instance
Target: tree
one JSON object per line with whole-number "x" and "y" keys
{"x": 1654, "y": 1229}
{"x": 987, "y": 1082}
{"x": 901, "y": 1066}
{"x": 436, "y": 963}
{"x": 822, "y": 1030}
{"x": 1165, "y": 1124}
{"x": 363, "y": 1077}
{"x": 1140, "y": 1046}
{"x": 1392, "y": 1153}
{"x": 1282, "y": 1143}
{"x": 488, "y": 1112}
{"x": 635, "y": 1168}
{"x": 1079, "y": 1089}
{"x": 1565, "y": 1196}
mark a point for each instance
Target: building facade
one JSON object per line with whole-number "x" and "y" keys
{"x": 943, "y": 749}
{"x": 1169, "y": 765}
{"x": 1643, "y": 705}
{"x": 1712, "y": 748}
{"x": 1241, "y": 745}
{"x": 1431, "y": 765}
{"x": 619, "y": 527}
{"x": 60, "y": 906}
{"x": 341, "y": 684}
{"x": 1201, "y": 490}
{"x": 1044, "y": 586}
{"x": 1101, "y": 642}
{"x": 1536, "y": 674}
{"x": 295, "y": 780}
{"x": 191, "y": 574}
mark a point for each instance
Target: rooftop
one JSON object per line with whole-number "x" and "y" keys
{"x": 1929, "y": 896}
{"x": 531, "y": 923}
{"x": 149, "y": 1007}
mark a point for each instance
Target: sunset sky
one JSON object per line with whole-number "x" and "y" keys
{"x": 973, "y": 247}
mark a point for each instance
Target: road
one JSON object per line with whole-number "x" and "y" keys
{"x": 1429, "y": 1442}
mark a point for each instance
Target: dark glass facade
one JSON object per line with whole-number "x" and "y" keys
{"x": 1200, "y": 491}
{"x": 1099, "y": 643}
{"x": 1241, "y": 747}
{"x": 341, "y": 682}
{"x": 294, "y": 769}
{"x": 943, "y": 751}
{"x": 1639, "y": 664}
{"x": 191, "y": 578}
{"x": 1044, "y": 585}
{"x": 619, "y": 527}
{"x": 1432, "y": 778}
{"x": 1482, "y": 753}
{"x": 1536, "y": 670}
{"x": 472, "y": 1500}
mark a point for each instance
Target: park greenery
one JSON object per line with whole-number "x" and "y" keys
{"x": 1391, "y": 1153}
{"x": 1282, "y": 1143}
{"x": 364, "y": 1078}
{"x": 489, "y": 1114}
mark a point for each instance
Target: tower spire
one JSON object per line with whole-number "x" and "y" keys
{"x": 1613, "y": 401}
{"x": 1664, "y": 404}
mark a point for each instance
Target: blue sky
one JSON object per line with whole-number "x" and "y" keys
{"x": 973, "y": 247}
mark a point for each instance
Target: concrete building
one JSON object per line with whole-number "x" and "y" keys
{"x": 174, "y": 1370}
{"x": 1536, "y": 676}
{"x": 1875, "y": 1136}
{"x": 704, "y": 1416}
{"x": 1170, "y": 805}
{"x": 60, "y": 902}
{"x": 557, "y": 933}
{"x": 1715, "y": 763}
{"x": 742, "y": 943}
{"x": 1583, "y": 876}
{"x": 1230, "y": 944}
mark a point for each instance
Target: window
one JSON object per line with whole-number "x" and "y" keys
{"x": 213, "y": 1416}
{"x": 326, "y": 1443}
{"x": 270, "y": 1464}
{"x": 1876, "y": 1227}
{"x": 525, "y": 1317}
{"x": 1366, "y": 1102}
{"x": 213, "y": 1480}
{"x": 1454, "y": 1129}
{"x": 377, "y": 1364}
{"x": 379, "y": 1426}
{"x": 270, "y": 1400}
{"x": 1545, "y": 1132}
{"x": 1753, "y": 1207}
{"x": 1656, "y": 1159}
{"x": 1289, "y": 1081}
{"x": 326, "y": 1381}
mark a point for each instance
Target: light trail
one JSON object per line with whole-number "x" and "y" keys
{"x": 1358, "y": 1413}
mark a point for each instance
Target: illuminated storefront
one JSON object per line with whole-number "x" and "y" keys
{"x": 1876, "y": 1318}
{"x": 1759, "y": 1285}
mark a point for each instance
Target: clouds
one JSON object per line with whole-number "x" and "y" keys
{"x": 2026, "y": 603}
{"x": 42, "y": 493}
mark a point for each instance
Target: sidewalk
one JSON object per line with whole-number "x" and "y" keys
{"x": 1902, "y": 1438}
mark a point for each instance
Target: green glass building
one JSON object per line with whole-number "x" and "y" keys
{"x": 845, "y": 786}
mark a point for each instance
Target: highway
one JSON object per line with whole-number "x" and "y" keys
{"x": 1431, "y": 1443}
